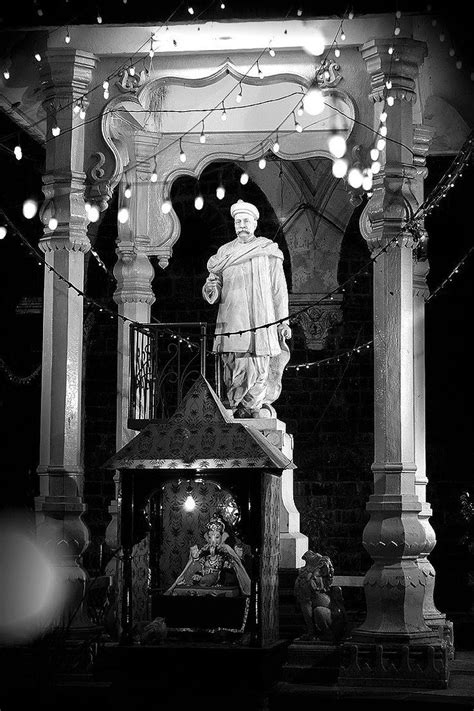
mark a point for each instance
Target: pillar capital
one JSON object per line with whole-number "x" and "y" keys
{"x": 134, "y": 273}
{"x": 66, "y": 73}
{"x": 401, "y": 67}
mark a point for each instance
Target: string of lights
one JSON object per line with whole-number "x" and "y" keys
{"x": 19, "y": 379}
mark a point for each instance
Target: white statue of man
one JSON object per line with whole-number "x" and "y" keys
{"x": 246, "y": 276}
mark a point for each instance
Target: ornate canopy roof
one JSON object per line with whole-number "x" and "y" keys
{"x": 200, "y": 435}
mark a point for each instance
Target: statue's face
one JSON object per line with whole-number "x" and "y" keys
{"x": 245, "y": 225}
{"x": 214, "y": 538}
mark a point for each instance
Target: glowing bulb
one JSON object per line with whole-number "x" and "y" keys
{"x": 53, "y": 223}
{"x": 396, "y": 31}
{"x": 390, "y": 100}
{"x": 354, "y": 178}
{"x": 375, "y": 167}
{"x": 166, "y": 207}
{"x": 106, "y": 95}
{"x": 298, "y": 127}
{"x": 182, "y": 156}
{"x": 222, "y": 5}
{"x": 390, "y": 50}
{"x": 131, "y": 71}
{"x": 82, "y": 113}
{"x": 299, "y": 11}
{"x": 313, "y": 42}
{"x": 190, "y": 10}
{"x": 276, "y": 147}
{"x": 300, "y": 110}
{"x": 383, "y": 116}
{"x": 339, "y": 168}
{"x": 367, "y": 182}
{"x": 202, "y": 137}
{"x": 3, "y": 231}
{"x": 99, "y": 19}
{"x": 343, "y": 36}
{"x": 381, "y": 144}
{"x": 199, "y": 202}
{"x": 383, "y": 131}
{"x": 93, "y": 213}
{"x": 151, "y": 53}
{"x": 262, "y": 163}
{"x": 220, "y": 192}
{"x": 67, "y": 39}
{"x": 313, "y": 102}
{"x": 38, "y": 57}
{"x": 105, "y": 84}
{"x": 337, "y": 52}
{"x": 374, "y": 153}
{"x": 30, "y": 208}
{"x": 154, "y": 177}
{"x": 55, "y": 130}
{"x": 123, "y": 215}
{"x": 271, "y": 52}
{"x": 337, "y": 145}
{"x": 244, "y": 178}
{"x": 18, "y": 152}
{"x": 128, "y": 192}
{"x": 76, "y": 108}
{"x": 189, "y": 504}
{"x": 388, "y": 84}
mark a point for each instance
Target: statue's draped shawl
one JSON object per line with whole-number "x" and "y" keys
{"x": 253, "y": 293}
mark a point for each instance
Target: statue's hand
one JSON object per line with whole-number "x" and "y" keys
{"x": 284, "y": 331}
{"x": 211, "y": 289}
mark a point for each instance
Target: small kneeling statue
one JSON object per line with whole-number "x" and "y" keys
{"x": 321, "y": 602}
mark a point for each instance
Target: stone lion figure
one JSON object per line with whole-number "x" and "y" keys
{"x": 321, "y": 602}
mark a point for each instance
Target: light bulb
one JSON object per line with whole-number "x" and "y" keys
{"x": 151, "y": 53}
{"x": 128, "y": 192}
{"x": 367, "y": 182}
{"x": 375, "y": 167}
{"x": 99, "y": 19}
{"x": 82, "y": 113}
{"x": 383, "y": 131}
{"x": 3, "y": 231}
{"x": 390, "y": 100}
{"x": 396, "y": 31}
{"x": 93, "y": 213}
{"x": 166, "y": 207}
{"x": 313, "y": 102}
{"x": 154, "y": 177}
{"x": 339, "y": 168}
{"x": 298, "y": 127}
{"x": 374, "y": 153}
{"x": 6, "y": 74}
{"x": 30, "y": 208}
{"x": 337, "y": 145}
{"x": 106, "y": 95}
{"x": 189, "y": 504}
{"x": 244, "y": 178}
{"x": 123, "y": 215}
{"x": 55, "y": 130}
{"x": 202, "y": 137}
{"x": 131, "y": 71}
{"x": 76, "y": 108}
{"x": 300, "y": 110}
{"x": 190, "y": 10}
{"x": 18, "y": 152}
{"x": 354, "y": 178}
{"x": 222, "y": 5}
{"x": 383, "y": 116}
{"x": 343, "y": 36}
{"x": 53, "y": 223}
{"x": 388, "y": 84}
{"x": 199, "y": 202}
{"x": 67, "y": 39}
{"x": 381, "y": 143}
{"x": 262, "y": 163}
{"x": 337, "y": 52}
{"x": 182, "y": 156}
{"x": 38, "y": 57}
{"x": 220, "y": 192}
{"x": 390, "y": 50}
{"x": 313, "y": 42}
{"x": 105, "y": 84}
{"x": 276, "y": 147}
{"x": 271, "y": 52}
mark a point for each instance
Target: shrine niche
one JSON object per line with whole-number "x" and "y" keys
{"x": 219, "y": 479}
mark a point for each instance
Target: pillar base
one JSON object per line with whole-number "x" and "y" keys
{"x": 445, "y": 631}
{"x": 394, "y": 664}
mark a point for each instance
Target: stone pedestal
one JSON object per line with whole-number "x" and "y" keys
{"x": 311, "y": 663}
{"x": 293, "y": 543}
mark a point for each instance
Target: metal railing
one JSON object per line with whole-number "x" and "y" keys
{"x": 165, "y": 361}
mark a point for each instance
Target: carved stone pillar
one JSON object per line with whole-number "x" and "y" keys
{"x": 66, "y": 76}
{"x": 134, "y": 297}
{"x": 422, "y": 136}
{"x": 394, "y": 646}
